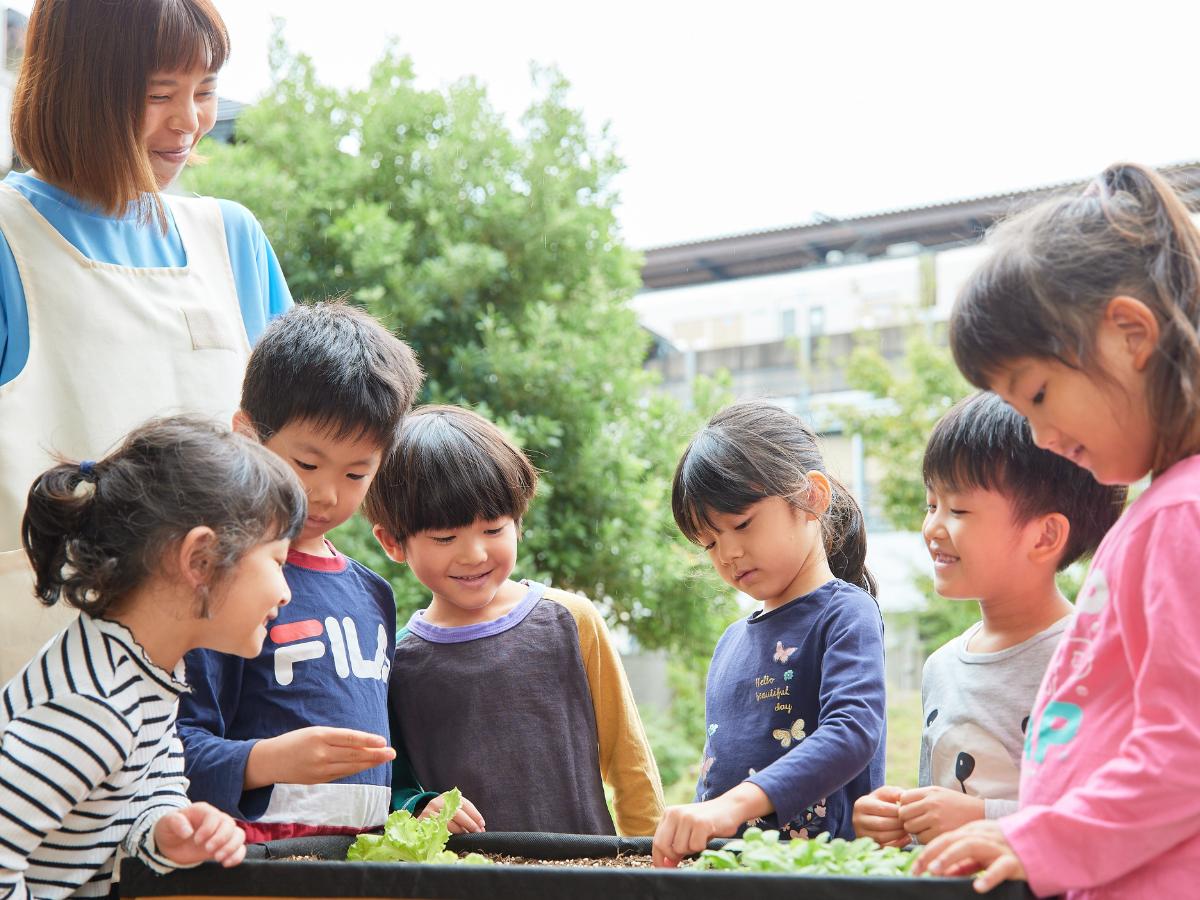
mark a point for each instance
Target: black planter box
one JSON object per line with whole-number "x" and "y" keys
{"x": 264, "y": 875}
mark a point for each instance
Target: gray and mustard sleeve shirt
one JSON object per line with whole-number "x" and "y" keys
{"x": 528, "y": 715}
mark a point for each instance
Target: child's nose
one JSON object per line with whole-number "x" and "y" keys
{"x": 323, "y": 494}
{"x": 473, "y": 552}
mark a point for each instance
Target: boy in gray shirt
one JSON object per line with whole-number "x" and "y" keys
{"x": 1003, "y": 517}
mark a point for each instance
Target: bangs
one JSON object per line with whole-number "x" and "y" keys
{"x": 707, "y": 481}
{"x": 455, "y": 492}
{"x": 450, "y": 468}
{"x": 985, "y": 326}
{"x": 191, "y": 35}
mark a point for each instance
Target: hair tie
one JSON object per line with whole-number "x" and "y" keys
{"x": 87, "y": 469}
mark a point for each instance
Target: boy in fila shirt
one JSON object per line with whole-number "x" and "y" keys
{"x": 292, "y": 742}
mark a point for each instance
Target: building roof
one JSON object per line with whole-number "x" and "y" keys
{"x": 856, "y": 237}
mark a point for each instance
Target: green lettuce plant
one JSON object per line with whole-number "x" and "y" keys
{"x": 406, "y": 838}
{"x": 763, "y": 851}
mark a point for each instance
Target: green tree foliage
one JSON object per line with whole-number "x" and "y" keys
{"x": 495, "y": 252}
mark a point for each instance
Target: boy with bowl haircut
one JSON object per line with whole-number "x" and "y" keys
{"x": 293, "y": 743}
{"x": 510, "y": 691}
{"x": 1003, "y": 517}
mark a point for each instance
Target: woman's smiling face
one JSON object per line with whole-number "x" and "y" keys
{"x": 181, "y": 107}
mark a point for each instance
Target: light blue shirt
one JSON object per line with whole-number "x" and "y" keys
{"x": 124, "y": 241}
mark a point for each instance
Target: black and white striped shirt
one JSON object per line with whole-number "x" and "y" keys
{"x": 89, "y": 761}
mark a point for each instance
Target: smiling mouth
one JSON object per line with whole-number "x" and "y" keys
{"x": 942, "y": 559}
{"x": 472, "y": 579}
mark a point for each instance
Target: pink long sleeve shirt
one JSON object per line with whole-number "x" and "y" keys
{"x": 1110, "y": 779}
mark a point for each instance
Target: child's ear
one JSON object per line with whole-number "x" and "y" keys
{"x": 242, "y": 424}
{"x": 194, "y": 556}
{"x": 392, "y": 547}
{"x": 820, "y": 493}
{"x": 1136, "y": 327}
{"x": 1053, "y": 532}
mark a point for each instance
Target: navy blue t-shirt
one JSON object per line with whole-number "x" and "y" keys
{"x": 796, "y": 704}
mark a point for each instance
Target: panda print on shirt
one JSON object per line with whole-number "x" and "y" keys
{"x": 965, "y": 757}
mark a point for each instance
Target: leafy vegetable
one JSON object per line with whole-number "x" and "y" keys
{"x": 763, "y": 851}
{"x": 406, "y": 838}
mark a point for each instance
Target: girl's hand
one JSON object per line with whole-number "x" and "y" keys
{"x": 685, "y": 830}
{"x": 877, "y": 816}
{"x": 467, "y": 820}
{"x": 979, "y": 845}
{"x": 198, "y": 833}
{"x": 931, "y": 811}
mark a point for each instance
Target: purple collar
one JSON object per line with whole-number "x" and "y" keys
{"x": 438, "y": 634}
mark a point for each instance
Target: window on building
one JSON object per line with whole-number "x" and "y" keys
{"x": 787, "y": 323}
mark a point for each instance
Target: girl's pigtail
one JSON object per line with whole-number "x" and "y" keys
{"x": 846, "y": 539}
{"x": 1141, "y": 206}
{"x": 56, "y": 532}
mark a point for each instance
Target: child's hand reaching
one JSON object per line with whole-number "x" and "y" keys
{"x": 314, "y": 755}
{"x": 466, "y": 821}
{"x": 877, "y": 816}
{"x": 931, "y": 811}
{"x": 685, "y": 830}
{"x": 198, "y": 833}
{"x": 974, "y": 846}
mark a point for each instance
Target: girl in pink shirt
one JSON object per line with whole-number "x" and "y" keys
{"x": 1085, "y": 320}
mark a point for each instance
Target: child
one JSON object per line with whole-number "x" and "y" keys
{"x": 291, "y": 742}
{"x": 511, "y": 691}
{"x": 1003, "y": 517}
{"x": 795, "y": 698}
{"x": 172, "y": 541}
{"x": 1085, "y": 320}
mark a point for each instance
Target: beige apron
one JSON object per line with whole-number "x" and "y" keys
{"x": 109, "y": 346}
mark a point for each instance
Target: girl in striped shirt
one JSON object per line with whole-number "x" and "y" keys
{"x": 175, "y": 540}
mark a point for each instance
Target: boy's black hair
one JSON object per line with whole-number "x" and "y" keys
{"x": 983, "y": 443}
{"x": 450, "y": 467}
{"x": 334, "y": 366}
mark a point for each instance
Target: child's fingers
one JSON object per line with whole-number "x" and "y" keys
{"x": 887, "y": 793}
{"x": 208, "y": 826}
{"x": 698, "y": 838}
{"x": 914, "y": 794}
{"x": 231, "y": 848}
{"x": 950, "y": 851}
{"x": 178, "y": 825}
{"x": 889, "y": 837}
{"x": 348, "y": 737}
{"x": 236, "y": 857}
{"x": 465, "y": 824}
{"x": 1006, "y": 868}
{"x": 473, "y": 813}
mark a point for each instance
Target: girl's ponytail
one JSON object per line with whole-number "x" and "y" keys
{"x": 95, "y": 531}
{"x": 1052, "y": 273}
{"x": 67, "y": 563}
{"x": 1143, "y": 208}
{"x": 846, "y": 539}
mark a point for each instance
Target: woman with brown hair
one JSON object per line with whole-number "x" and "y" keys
{"x": 117, "y": 302}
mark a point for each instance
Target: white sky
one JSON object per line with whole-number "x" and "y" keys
{"x": 740, "y": 116}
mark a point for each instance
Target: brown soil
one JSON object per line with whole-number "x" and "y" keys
{"x": 613, "y": 862}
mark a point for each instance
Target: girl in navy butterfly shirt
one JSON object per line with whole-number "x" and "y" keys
{"x": 795, "y": 699}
